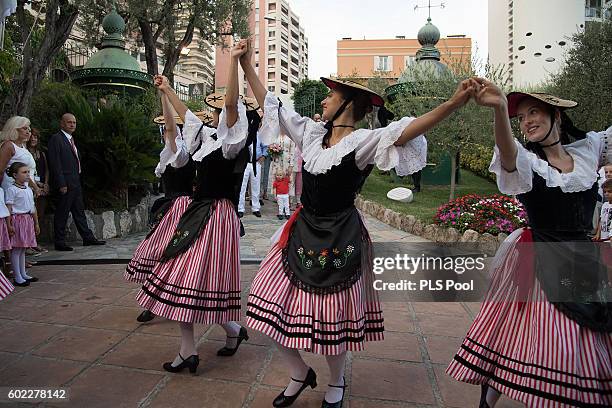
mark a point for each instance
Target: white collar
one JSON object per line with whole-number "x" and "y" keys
{"x": 66, "y": 134}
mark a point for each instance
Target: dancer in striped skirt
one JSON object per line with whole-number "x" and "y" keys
{"x": 6, "y": 286}
{"x": 177, "y": 172}
{"x": 544, "y": 332}
{"x": 314, "y": 290}
{"x": 198, "y": 278}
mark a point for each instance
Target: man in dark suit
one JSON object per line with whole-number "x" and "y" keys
{"x": 65, "y": 169}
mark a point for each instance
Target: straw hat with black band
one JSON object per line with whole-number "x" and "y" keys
{"x": 353, "y": 88}
{"x": 515, "y": 98}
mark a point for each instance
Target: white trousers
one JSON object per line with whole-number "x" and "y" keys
{"x": 255, "y": 184}
{"x": 283, "y": 204}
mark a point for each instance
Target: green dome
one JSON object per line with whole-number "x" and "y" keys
{"x": 429, "y": 35}
{"x": 113, "y": 23}
{"x": 113, "y": 58}
{"x": 111, "y": 67}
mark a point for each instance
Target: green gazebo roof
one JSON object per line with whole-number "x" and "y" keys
{"x": 428, "y": 62}
{"x": 112, "y": 67}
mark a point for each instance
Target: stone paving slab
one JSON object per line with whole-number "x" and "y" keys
{"x": 93, "y": 346}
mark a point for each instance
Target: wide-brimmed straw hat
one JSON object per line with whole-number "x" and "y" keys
{"x": 250, "y": 103}
{"x": 205, "y": 117}
{"x": 515, "y": 98}
{"x": 215, "y": 100}
{"x": 375, "y": 98}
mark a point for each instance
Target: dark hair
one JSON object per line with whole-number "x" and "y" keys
{"x": 362, "y": 102}
{"x": 14, "y": 168}
{"x": 569, "y": 132}
{"x": 36, "y": 132}
{"x": 607, "y": 185}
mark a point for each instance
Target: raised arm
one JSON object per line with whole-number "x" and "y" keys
{"x": 256, "y": 86}
{"x": 489, "y": 94}
{"x": 425, "y": 122}
{"x": 170, "y": 131}
{"x": 162, "y": 83}
{"x": 231, "y": 93}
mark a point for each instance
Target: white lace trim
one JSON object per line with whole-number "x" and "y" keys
{"x": 270, "y": 124}
{"x": 585, "y": 152}
{"x": 319, "y": 160}
{"x": 167, "y": 157}
{"x": 406, "y": 159}
{"x": 238, "y": 132}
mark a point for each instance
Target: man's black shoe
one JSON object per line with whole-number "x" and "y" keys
{"x": 94, "y": 242}
{"x": 62, "y": 247}
{"x": 257, "y": 214}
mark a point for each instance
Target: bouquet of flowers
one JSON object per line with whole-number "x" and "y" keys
{"x": 493, "y": 214}
{"x": 275, "y": 151}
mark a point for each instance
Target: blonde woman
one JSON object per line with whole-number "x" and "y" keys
{"x": 15, "y": 134}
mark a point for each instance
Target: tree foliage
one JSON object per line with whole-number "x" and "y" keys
{"x": 466, "y": 127}
{"x": 307, "y": 97}
{"x": 171, "y": 23}
{"x": 586, "y": 77}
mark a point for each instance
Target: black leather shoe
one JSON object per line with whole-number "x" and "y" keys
{"x": 257, "y": 214}
{"x": 280, "y": 216}
{"x": 94, "y": 242}
{"x": 240, "y": 214}
{"x": 228, "y": 352}
{"x": 23, "y": 284}
{"x": 338, "y": 404}
{"x": 284, "y": 401}
{"x": 145, "y": 316}
{"x": 192, "y": 363}
{"x": 32, "y": 279}
{"x": 287, "y": 216}
{"x": 62, "y": 247}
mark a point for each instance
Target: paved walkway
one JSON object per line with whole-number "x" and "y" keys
{"x": 76, "y": 329}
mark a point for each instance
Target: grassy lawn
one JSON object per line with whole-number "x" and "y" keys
{"x": 426, "y": 202}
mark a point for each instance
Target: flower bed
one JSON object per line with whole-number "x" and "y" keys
{"x": 493, "y": 214}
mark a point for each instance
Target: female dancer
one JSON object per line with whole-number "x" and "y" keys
{"x": 198, "y": 278}
{"x": 314, "y": 288}
{"x": 177, "y": 172}
{"x": 543, "y": 334}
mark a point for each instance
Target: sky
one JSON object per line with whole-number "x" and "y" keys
{"x": 326, "y": 21}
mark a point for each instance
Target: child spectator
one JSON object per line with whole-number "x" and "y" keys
{"x": 280, "y": 188}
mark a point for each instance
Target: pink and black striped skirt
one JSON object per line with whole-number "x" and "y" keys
{"x": 149, "y": 251}
{"x": 24, "y": 236}
{"x": 5, "y": 239}
{"x": 326, "y": 324}
{"x": 201, "y": 285}
{"x": 5, "y": 286}
{"x": 530, "y": 351}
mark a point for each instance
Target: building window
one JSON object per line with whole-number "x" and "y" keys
{"x": 409, "y": 60}
{"x": 271, "y": 88}
{"x": 271, "y": 61}
{"x": 272, "y": 47}
{"x": 271, "y": 75}
{"x": 271, "y": 33}
{"x": 272, "y": 7}
{"x": 383, "y": 63}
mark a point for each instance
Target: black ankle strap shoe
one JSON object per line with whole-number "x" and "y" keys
{"x": 338, "y": 404}
{"x": 284, "y": 400}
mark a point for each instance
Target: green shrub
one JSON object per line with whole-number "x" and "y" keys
{"x": 118, "y": 142}
{"x": 476, "y": 157}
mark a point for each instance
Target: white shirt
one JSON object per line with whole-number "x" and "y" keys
{"x": 4, "y": 212}
{"x": 21, "y": 199}
{"x": 375, "y": 146}
{"x": 21, "y": 155}
{"x": 69, "y": 137}
{"x": 605, "y": 220}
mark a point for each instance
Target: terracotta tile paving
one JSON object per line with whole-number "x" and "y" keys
{"x": 77, "y": 329}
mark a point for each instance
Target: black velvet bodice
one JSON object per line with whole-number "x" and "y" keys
{"x": 179, "y": 182}
{"x": 334, "y": 190}
{"x": 218, "y": 177}
{"x": 550, "y": 209}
